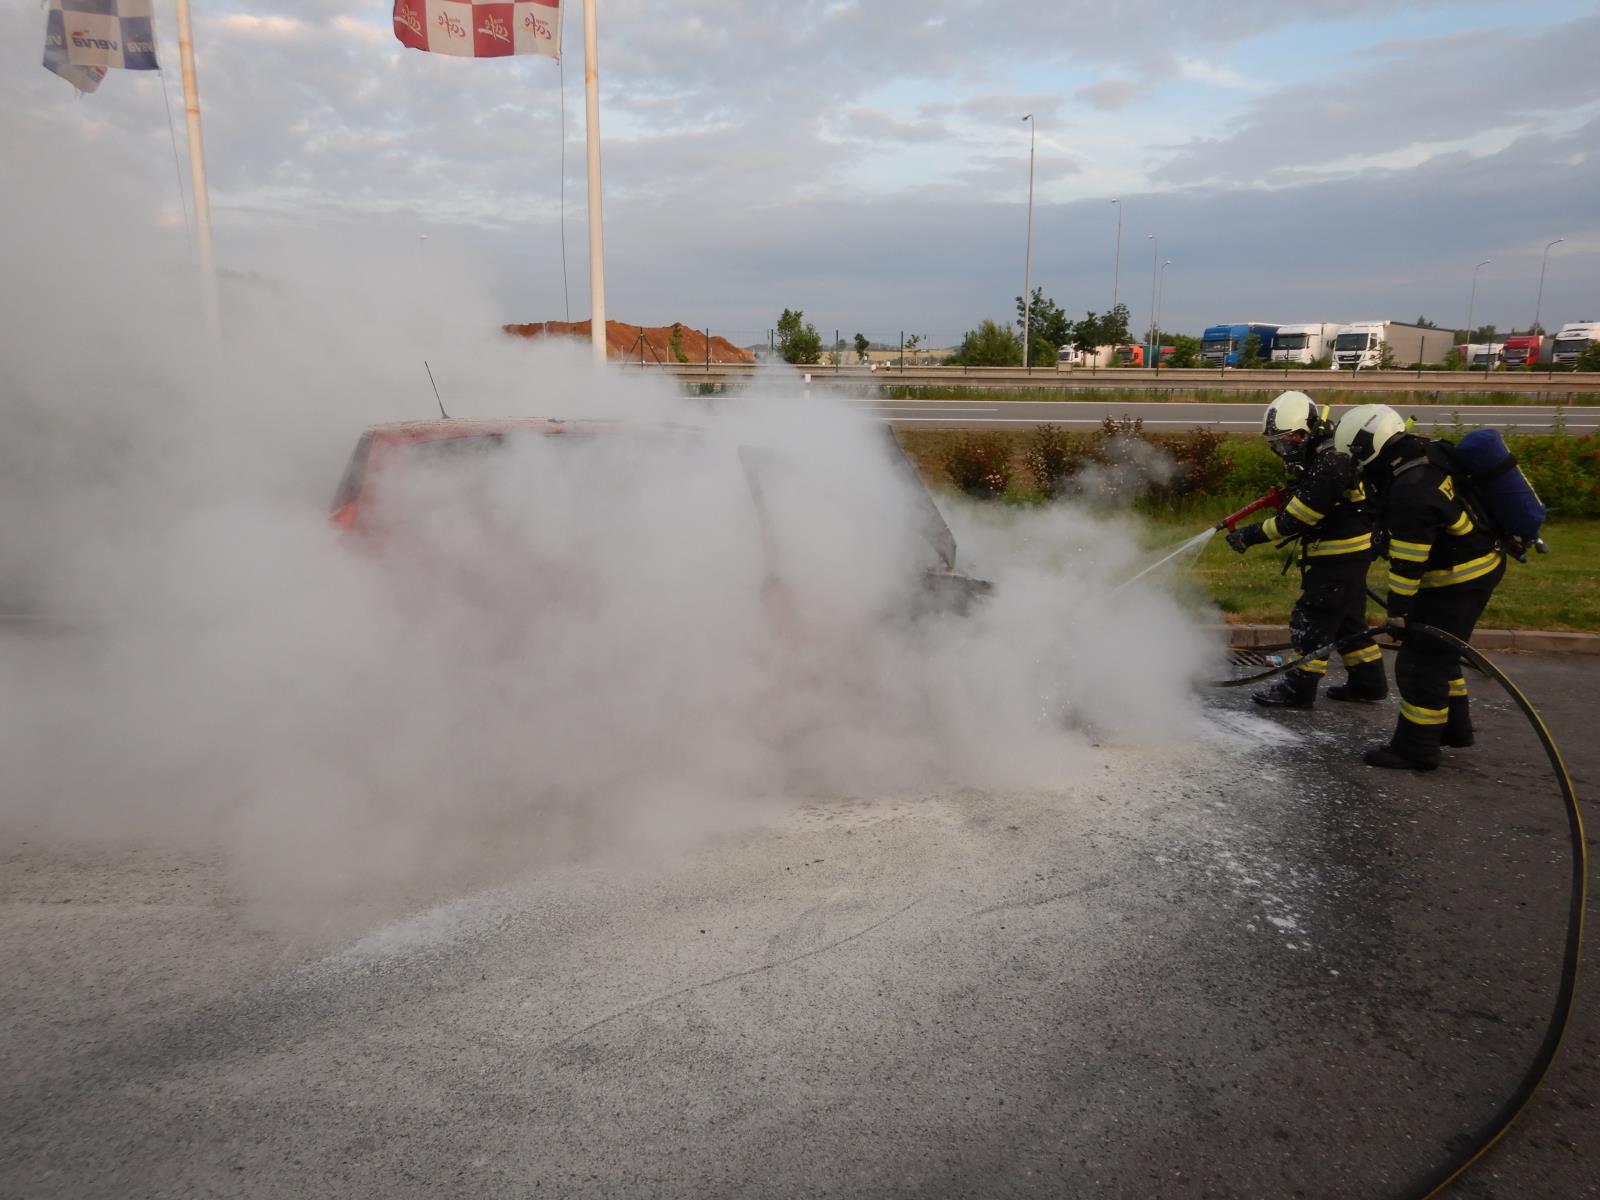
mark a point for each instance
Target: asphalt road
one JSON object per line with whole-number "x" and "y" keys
{"x": 1236, "y": 965}
{"x": 1004, "y": 414}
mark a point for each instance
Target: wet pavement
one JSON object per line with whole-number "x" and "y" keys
{"x": 1239, "y": 965}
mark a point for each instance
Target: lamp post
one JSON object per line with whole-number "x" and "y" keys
{"x": 1027, "y": 269}
{"x": 1539, "y": 303}
{"x": 422, "y": 243}
{"x": 1161, "y": 291}
{"x": 1116, "y": 263}
{"x": 1472, "y": 303}
{"x": 1155, "y": 245}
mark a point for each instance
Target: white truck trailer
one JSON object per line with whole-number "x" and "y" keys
{"x": 1303, "y": 343}
{"x": 1572, "y": 340}
{"x": 1363, "y": 345}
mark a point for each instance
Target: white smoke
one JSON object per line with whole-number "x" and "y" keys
{"x": 589, "y": 646}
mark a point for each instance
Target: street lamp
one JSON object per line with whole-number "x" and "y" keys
{"x": 1161, "y": 291}
{"x": 1539, "y": 303}
{"x": 1116, "y": 268}
{"x": 1027, "y": 270}
{"x": 1473, "y": 303}
{"x": 1155, "y": 245}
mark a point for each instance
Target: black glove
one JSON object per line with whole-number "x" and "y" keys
{"x": 1245, "y": 536}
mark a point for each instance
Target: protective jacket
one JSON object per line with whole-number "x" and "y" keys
{"x": 1433, "y": 542}
{"x": 1327, "y": 509}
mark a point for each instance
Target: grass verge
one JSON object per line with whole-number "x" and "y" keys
{"x": 1559, "y": 590}
{"x": 1056, "y": 393}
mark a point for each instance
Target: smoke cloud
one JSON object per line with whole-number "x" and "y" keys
{"x": 569, "y": 648}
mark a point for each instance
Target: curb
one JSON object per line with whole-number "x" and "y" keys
{"x": 1528, "y": 641}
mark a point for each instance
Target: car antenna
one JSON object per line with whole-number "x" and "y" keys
{"x": 429, "y": 370}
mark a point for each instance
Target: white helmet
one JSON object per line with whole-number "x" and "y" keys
{"x": 1292, "y": 412}
{"x": 1365, "y": 430}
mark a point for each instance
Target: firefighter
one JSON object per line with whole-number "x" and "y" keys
{"x": 1328, "y": 514}
{"x": 1442, "y": 571}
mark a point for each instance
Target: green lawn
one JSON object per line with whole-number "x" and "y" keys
{"x": 1559, "y": 590}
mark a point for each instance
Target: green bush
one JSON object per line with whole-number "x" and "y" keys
{"x": 980, "y": 464}
{"x": 1564, "y": 470}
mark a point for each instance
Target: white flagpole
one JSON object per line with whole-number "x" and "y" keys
{"x": 197, "y": 174}
{"x": 597, "y": 263}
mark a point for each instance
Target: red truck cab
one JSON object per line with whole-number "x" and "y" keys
{"x": 1523, "y": 350}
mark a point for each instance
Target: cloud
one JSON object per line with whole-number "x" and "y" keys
{"x": 1419, "y": 92}
{"x": 1110, "y": 95}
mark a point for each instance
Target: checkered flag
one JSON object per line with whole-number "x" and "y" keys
{"x": 106, "y": 33}
{"x": 85, "y": 79}
{"x": 480, "y": 28}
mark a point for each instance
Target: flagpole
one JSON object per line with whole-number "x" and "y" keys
{"x": 197, "y": 173}
{"x": 597, "y": 265}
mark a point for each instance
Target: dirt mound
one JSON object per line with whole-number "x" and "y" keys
{"x": 622, "y": 341}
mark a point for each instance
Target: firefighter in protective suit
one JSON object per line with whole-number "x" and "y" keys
{"x": 1442, "y": 571}
{"x": 1328, "y": 513}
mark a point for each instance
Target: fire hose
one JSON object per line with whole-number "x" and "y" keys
{"x": 1495, "y": 1127}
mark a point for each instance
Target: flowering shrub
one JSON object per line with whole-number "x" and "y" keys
{"x": 980, "y": 464}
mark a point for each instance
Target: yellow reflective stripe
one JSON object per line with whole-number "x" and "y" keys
{"x": 1458, "y": 687}
{"x": 1353, "y": 545}
{"x": 1400, "y": 585}
{"x": 1301, "y": 511}
{"x": 1462, "y": 524}
{"x": 1423, "y": 716}
{"x": 1354, "y": 658}
{"x": 1462, "y": 572}
{"x": 1317, "y": 666}
{"x": 1270, "y": 528}
{"x": 1410, "y": 551}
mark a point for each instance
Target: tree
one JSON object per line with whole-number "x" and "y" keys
{"x": 1250, "y": 356}
{"x": 1048, "y": 327}
{"x": 1425, "y": 323}
{"x": 1114, "y": 326}
{"x": 989, "y": 345}
{"x": 1088, "y": 335}
{"x": 1589, "y": 358}
{"x": 862, "y": 346}
{"x": 1185, "y": 351}
{"x": 913, "y": 343}
{"x": 798, "y": 339}
{"x": 675, "y": 340}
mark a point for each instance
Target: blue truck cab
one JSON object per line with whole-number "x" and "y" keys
{"x": 1223, "y": 345}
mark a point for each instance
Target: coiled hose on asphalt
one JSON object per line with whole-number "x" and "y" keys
{"x": 1492, "y": 1130}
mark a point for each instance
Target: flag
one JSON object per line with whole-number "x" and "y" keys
{"x": 109, "y": 33}
{"x": 480, "y": 28}
{"x": 85, "y": 79}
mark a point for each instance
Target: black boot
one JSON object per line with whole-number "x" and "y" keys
{"x": 1458, "y": 729}
{"x": 1363, "y": 682}
{"x": 1297, "y": 689}
{"x": 1413, "y": 748}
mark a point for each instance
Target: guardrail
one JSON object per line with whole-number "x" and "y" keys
{"x": 1564, "y": 384}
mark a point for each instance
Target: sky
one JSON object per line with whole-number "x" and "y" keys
{"x": 867, "y": 162}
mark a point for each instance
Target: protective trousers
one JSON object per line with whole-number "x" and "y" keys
{"x": 1333, "y": 606}
{"x": 1433, "y": 691}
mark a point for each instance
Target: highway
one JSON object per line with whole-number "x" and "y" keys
{"x": 1232, "y": 417}
{"x": 1440, "y": 385}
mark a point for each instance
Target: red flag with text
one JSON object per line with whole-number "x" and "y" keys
{"x": 480, "y": 28}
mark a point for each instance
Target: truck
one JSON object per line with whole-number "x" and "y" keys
{"x": 1364, "y": 345}
{"x": 1303, "y": 343}
{"x": 1223, "y": 345}
{"x": 1522, "y": 350}
{"x": 1571, "y": 340}
{"x": 1479, "y": 356}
